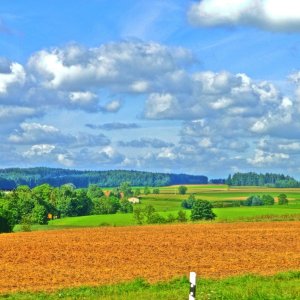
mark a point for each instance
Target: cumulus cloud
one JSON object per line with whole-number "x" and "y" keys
{"x": 111, "y": 106}
{"x": 274, "y": 15}
{"x": 214, "y": 94}
{"x": 39, "y": 150}
{"x": 36, "y": 133}
{"x": 224, "y": 116}
{"x": 12, "y": 78}
{"x": 114, "y": 64}
{"x": 262, "y": 158}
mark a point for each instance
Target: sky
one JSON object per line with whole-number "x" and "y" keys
{"x": 206, "y": 87}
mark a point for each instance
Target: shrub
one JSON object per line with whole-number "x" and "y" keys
{"x": 126, "y": 206}
{"x": 7, "y": 220}
{"x": 4, "y": 225}
{"x": 26, "y": 223}
{"x": 267, "y": 200}
{"x": 182, "y": 190}
{"x": 188, "y": 204}
{"x": 171, "y": 218}
{"x": 282, "y": 199}
{"x": 138, "y": 215}
{"x": 181, "y": 216}
{"x": 202, "y": 210}
{"x": 253, "y": 201}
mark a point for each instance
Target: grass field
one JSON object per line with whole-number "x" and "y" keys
{"x": 285, "y": 286}
{"x": 230, "y": 214}
{"x": 168, "y": 202}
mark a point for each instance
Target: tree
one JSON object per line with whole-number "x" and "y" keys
{"x": 253, "y": 201}
{"x": 182, "y": 190}
{"x": 125, "y": 188}
{"x": 106, "y": 205}
{"x": 156, "y": 191}
{"x": 94, "y": 191}
{"x": 149, "y": 210}
{"x": 188, "y": 204}
{"x": 39, "y": 215}
{"x": 282, "y": 199}
{"x": 7, "y": 220}
{"x": 137, "y": 192}
{"x": 146, "y": 190}
{"x": 202, "y": 210}
{"x": 267, "y": 200}
{"x": 5, "y": 225}
{"x": 138, "y": 215}
{"x": 126, "y": 206}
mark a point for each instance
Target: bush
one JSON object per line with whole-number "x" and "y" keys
{"x": 156, "y": 191}
{"x": 5, "y": 225}
{"x": 126, "y": 206}
{"x": 182, "y": 190}
{"x": 7, "y": 220}
{"x": 188, "y": 204}
{"x": 282, "y": 199}
{"x": 268, "y": 200}
{"x": 39, "y": 215}
{"x": 181, "y": 216}
{"x": 26, "y": 223}
{"x": 253, "y": 201}
{"x": 202, "y": 210}
{"x": 171, "y": 218}
{"x": 138, "y": 215}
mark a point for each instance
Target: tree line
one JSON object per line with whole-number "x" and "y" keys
{"x": 268, "y": 179}
{"x": 44, "y": 202}
{"x": 32, "y": 177}
{"x": 253, "y": 200}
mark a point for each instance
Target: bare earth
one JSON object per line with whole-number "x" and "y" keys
{"x": 55, "y": 259}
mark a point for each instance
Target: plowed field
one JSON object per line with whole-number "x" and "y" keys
{"x": 51, "y": 260}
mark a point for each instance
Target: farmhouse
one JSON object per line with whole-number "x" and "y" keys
{"x": 134, "y": 200}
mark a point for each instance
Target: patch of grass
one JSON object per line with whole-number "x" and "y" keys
{"x": 230, "y": 214}
{"x": 285, "y": 286}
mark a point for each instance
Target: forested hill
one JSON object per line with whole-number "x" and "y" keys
{"x": 10, "y": 178}
{"x": 268, "y": 179}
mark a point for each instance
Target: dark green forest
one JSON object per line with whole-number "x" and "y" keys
{"x": 13, "y": 177}
{"x": 268, "y": 179}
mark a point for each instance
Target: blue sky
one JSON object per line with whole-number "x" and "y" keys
{"x": 203, "y": 87}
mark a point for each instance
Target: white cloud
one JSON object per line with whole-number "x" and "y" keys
{"x": 140, "y": 86}
{"x": 36, "y": 133}
{"x": 65, "y": 160}
{"x": 112, "y": 106}
{"x": 82, "y": 97}
{"x": 262, "y": 158}
{"x": 9, "y": 80}
{"x": 39, "y": 150}
{"x": 274, "y": 15}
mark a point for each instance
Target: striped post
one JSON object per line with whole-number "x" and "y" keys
{"x": 192, "y": 295}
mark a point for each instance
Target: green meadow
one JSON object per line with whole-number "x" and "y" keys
{"x": 284, "y": 286}
{"x": 169, "y": 202}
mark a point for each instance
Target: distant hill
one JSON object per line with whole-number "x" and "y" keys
{"x": 12, "y": 177}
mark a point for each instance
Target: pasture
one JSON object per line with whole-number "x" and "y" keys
{"x": 169, "y": 202}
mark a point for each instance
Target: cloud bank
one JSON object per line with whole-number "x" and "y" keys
{"x": 273, "y": 15}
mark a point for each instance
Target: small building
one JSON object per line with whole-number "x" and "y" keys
{"x": 134, "y": 200}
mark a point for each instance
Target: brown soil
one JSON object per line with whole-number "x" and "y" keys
{"x": 55, "y": 259}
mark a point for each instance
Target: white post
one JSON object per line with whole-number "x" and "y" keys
{"x": 192, "y": 295}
